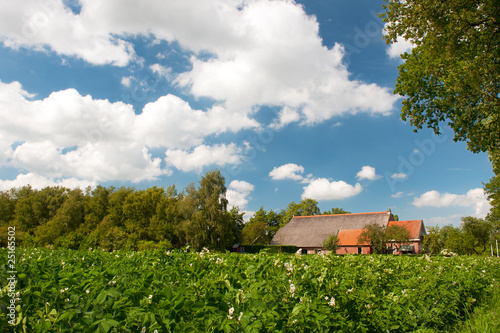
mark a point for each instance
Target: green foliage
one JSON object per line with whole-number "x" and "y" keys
{"x": 184, "y": 291}
{"x": 473, "y": 237}
{"x": 122, "y": 218}
{"x": 380, "y": 237}
{"x": 452, "y": 74}
{"x": 397, "y": 235}
{"x": 483, "y": 319}
{"x": 305, "y": 207}
{"x": 254, "y": 248}
{"x": 453, "y": 71}
{"x": 375, "y": 235}
{"x": 261, "y": 228}
{"x": 331, "y": 243}
{"x": 492, "y": 190}
{"x": 433, "y": 242}
{"x": 478, "y": 231}
{"x": 335, "y": 211}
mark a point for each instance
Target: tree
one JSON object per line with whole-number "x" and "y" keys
{"x": 331, "y": 243}
{"x": 376, "y": 236}
{"x": 397, "y": 235}
{"x": 433, "y": 242}
{"x": 209, "y": 224}
{"x": 335, "y": 211}
{"x": 305, "y": 207}
{"x": 456, "y": 241}
{"x": 236, "y": 225}
{"x": 261, "y": 227}
{"x": 452, "y": 74}
{"x": 478, "y": 232}
{"x": 7, "y": 207}
{"x": 492, "y": 189}
{"x": 255, "y": 233}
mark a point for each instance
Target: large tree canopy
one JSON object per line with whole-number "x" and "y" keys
{"x": 452, "y": 74}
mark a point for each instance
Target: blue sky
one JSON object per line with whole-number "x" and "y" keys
{"x": 290, "y": 100}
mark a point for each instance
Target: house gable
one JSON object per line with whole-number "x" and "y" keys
{"x": 415, "y": 228}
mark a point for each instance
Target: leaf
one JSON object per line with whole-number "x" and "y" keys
{"x": 100, "y": 298}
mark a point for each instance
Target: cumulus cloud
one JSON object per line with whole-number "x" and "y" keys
{"x": 317, "y": 188}
{"x": 202, "y": 156}
{"x": 401, "y": 46}
{"x": 238, "y": 193}
{"x": 126, "y": 81}
{"x": 444, "y": 220}
{"x": 68, "y": 135}
{"x": 323, "y": 189}
{"x": 39, "y": 182}
{"x": 286, "y": 116}
{"x": 249, "y": 43}
{"x": 278, "y": 37}
{"x": 287, "y": 171}
{"x": 170, "y": 121}
{"x": 49, "y": 25}
{"x": 399, "y": 176}
{"x": 162, "y": 71}
{"x": 367, "y": 172}
{"x": 475, "y": 198}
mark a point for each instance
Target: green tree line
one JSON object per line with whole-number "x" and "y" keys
{"x": 127, "y": 218}
{"x": 473, "y": 236}
{"x": 115, "y": 218}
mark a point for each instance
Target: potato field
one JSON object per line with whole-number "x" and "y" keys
{"x": 187, "y": 291}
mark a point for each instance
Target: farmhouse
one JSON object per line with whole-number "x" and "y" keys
{"x": 309, "y": 232}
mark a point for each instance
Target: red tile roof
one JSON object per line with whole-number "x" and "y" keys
{"x": 414, "y": 227}
{"x": 350, "y": 237}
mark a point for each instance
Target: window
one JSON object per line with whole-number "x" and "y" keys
{"x": 318, "y": 251}
{"x": 360, "y": 250}
{"x": 304, "y": 251}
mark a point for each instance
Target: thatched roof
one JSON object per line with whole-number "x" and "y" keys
{"x": 311, "y": 231}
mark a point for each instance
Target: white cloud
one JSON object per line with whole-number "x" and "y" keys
{"x": 280, "y": 39}
{"x": 286, "y": 116}
{"x": 367, "y": 172}
{"x": 287, "y": 171}
{"x": 171, "y": 122}
{"x": 401, "y": 46}
{"x": 238, "y": 192}
{"x": 202, "y": 156}
{"x": 68, "y": 135}
{"x": 444, "y": 220}
{"x": 241, "y": 186}
{"x": 49, "y": 25}
{"x": 475, "y": 198}
{"x": 397, "y": 195}
{"x": 399, "y": 176}
{"x": 322, "y": 189}
{"x": 126, "y": 81}
{"x": 261, "y": 52}
{"x": 39, "y": 182}
{"x": 162, "y": 71}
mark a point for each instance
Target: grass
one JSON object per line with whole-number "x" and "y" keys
{"x": 484, "y": 319}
